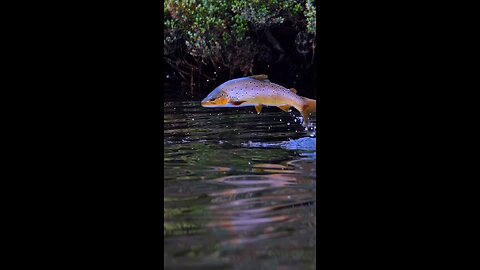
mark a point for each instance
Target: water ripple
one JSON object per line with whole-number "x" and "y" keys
{"x": 238, "y": 188}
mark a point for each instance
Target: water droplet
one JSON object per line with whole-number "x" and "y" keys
{"x": 193, "y": 119}
{"x": 288, "y": 124}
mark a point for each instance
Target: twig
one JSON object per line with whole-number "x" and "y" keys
{"x": 191, "y": 82}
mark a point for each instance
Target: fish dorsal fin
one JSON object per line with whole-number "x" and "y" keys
{"x": 293, "y": 90}
{"x": 261, "y": 77}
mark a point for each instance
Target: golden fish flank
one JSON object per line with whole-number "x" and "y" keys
{"x": 258, "y": 91}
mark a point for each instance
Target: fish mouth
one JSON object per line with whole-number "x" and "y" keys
{"x": 206, "y": 103}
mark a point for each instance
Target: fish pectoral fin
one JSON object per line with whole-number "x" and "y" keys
{"x": 236, "y": 102}
{"x": 284, "y": 108}
{"x": 261, "y": 77}
{"x": 293, "y": 90}
{"x": 259, "y": 108}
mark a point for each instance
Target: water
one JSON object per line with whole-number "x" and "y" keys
{"x": 239, "y": 189}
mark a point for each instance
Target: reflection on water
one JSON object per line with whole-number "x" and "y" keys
{"x": 239, "y": 189}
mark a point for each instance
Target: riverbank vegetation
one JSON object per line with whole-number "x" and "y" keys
{"x": 206, "y": 40}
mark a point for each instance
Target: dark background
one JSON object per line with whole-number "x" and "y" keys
{"x": 290, "y": 69}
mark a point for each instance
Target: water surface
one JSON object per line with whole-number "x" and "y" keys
{"x": 239, "y": 189}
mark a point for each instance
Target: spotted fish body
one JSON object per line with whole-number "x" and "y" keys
{"x": 258, "y": 91}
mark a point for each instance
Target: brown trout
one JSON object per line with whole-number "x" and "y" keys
{"x": 258, "y": 91}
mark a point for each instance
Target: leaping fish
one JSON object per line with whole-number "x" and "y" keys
{"x": 258, "y": 91}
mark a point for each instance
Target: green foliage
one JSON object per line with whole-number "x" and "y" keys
{"x": 310, "y": 15}
{"x": 222, "y": 32}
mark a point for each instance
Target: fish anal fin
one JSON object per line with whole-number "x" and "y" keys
{"x": 293, "y": 90}
{"x": 259, "y": 108}
{"x": 261, "y": 77}
{"x": 237, "y": 102}
{"x": 284, "y": 108}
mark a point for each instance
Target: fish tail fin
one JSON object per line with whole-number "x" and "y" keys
{"x": 309, "y": 108}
